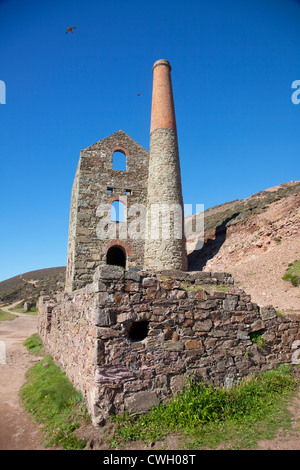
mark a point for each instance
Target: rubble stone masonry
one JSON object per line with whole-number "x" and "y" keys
{"x": 129, "y": 340}
{"x": 164, "y": 188}
{"x": 96, "y": 185}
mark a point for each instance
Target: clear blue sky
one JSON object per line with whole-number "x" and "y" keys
{"x": 233, "y": 63}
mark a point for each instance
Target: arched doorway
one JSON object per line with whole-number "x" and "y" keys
{"x": 116, "y": 256}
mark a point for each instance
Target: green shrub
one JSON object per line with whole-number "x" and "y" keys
{"x": 292, "y": 273}
{"x": 256, "y": 337}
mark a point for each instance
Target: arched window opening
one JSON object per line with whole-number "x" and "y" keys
{"x": 119, "y": 160}
{"x": 116, "y": 256}
{"x": 117, "y": 213}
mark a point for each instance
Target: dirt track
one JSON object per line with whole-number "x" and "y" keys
{"x": 17, "y": 431}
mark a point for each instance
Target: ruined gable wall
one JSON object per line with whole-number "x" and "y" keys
{"x": 95, "y": 174}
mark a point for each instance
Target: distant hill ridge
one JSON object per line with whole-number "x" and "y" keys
{"x": 32, "y": 284}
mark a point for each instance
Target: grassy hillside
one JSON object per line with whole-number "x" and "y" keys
{"x": 32, "y": 284}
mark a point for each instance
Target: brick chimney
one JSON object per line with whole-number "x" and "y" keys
{"x": 163, "y": 112}
{"x": 165, "y": 243}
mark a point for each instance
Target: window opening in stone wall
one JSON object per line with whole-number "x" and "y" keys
{"x": 137, "y": 331}
{"x": 109, "y": 190}
{"x": 119, "y": 161}
{"x": 257, "y": 338}
{"x": 116, "y": 256}
{"x": 117, "y": 213}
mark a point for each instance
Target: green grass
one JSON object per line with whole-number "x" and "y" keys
{"x": 52, "y": 400}
{"x": 19, "y": 309}
{"x": 34, "y": 345}
{"x": 292, "y": 273}
{"x": 187, "y": 286}
{"x": 4, "y": 316}
{"x": 281, "y": 313}
{"x": 206, "y": 416}
{"x": 32, "y": 311}
{"x": 224, "y": 287}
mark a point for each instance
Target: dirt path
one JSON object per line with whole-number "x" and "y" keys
{"x": 286, "y": 440}
{"x": 17, "y": 431}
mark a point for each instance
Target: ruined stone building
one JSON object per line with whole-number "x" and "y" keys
{"x": 133, "y": 323}
{"x": 146, "y": 180}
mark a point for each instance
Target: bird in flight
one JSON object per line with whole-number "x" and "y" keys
{"x": 70, "y": 29}
{"x": 138, "y": 94}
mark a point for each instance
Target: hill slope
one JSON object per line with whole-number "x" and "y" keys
{"x": 32, "y": 284}
{"x": 254, "y": 239}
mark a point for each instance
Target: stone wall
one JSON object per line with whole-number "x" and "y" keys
{"x": 67, "y": 329}
{"x": 96, "y": 183}
{"x": 129, "y": 340}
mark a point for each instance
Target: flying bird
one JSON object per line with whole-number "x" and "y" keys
{"x": 138, "y": 94}
{"x": 70, "y": 29}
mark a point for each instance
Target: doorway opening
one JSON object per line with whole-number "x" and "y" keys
{"x": 116, "y": 256}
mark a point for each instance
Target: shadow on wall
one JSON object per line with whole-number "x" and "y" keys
{"x": 198, "y": 258}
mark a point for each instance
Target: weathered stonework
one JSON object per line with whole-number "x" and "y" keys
{"x": 164, "y": 188}
{"x": 195, "y": 325}
{"x": 96, "y": 183}
{"x": 145, "y": 183}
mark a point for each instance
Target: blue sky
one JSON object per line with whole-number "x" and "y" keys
{"x": 233, "y": 64}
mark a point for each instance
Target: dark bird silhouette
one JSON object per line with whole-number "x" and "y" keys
{"x": 138, "y": 94}
{"x": 70, "y": 29}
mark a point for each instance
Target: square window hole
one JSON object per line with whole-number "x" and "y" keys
{"x": 138, "y": 330}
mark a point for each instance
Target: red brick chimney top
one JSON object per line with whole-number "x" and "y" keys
{"x": 163, "y": 112}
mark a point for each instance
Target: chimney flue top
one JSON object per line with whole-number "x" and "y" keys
{"x": 161, "y": 62}
{"x": 162, "y": 110}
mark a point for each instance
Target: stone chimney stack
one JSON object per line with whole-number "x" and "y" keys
{"x": 165, "y": 245}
